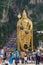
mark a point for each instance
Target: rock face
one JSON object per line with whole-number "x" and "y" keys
{"x": 5, "y": 16}
{"x": 36, "y": 1}
{"x": 4, "y": 7}
{"x": 14, "y": 7}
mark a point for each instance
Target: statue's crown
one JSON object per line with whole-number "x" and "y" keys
{"x": 24, "y": 14}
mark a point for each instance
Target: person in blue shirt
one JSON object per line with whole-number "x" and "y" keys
{"x": 10, "y": 59}
{"x": 17, "y": 57}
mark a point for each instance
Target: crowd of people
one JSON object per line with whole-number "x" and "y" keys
{"x": 19, "y": 57}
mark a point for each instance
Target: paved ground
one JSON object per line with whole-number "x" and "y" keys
{"x": 29, "y": 63}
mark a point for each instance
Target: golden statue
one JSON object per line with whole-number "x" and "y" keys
{"x": 24, "y": 32}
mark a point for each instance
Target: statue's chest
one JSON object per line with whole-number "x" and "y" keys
{"x": 25, "y": 24}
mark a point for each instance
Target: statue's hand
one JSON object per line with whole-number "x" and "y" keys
{"x": 26, "y": 32}
{"x": 21, "y": 27}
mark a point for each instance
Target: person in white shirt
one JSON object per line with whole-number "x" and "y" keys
{"x": 1, "y": 55}
{"x": 25, "y": 59}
